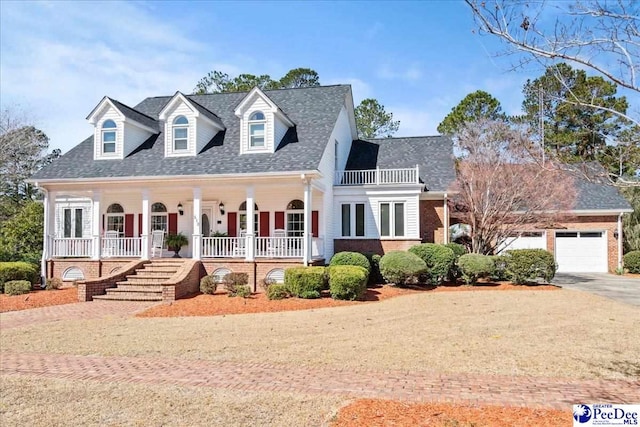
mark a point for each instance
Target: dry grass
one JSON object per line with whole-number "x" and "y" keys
{"x": 553, "y": 334}
{"x": 56, "y": 402}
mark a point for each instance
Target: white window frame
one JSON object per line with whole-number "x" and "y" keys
{"x": 290, "y": 232}
{"x": 353, "y": 220}
{"x": 251, "y": 135}
{"x": 104, "y": 132}
{"x": 174, "y": 140}
{"x": 73, "y": 230}
{"x": 392, "y": 219}
{"x": 162, "y": 217}
{"x": 111, "y": 216}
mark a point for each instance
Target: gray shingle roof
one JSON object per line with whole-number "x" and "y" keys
{"x": 314, "y": 110}
{"x": 205, "y": 112}
{"x": 596, "y": 196}
{"x": 434, "y": 155}
{"x": 134, "y": 115}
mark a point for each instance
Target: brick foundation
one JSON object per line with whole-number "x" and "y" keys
{"x": 373, "y": 245}
{"x": 92, "y": 269}
{"x": 256, "y": 270}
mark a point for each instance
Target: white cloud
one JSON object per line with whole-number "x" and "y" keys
{"x": 412, "y": 73}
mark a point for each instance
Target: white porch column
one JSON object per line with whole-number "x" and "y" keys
{"x": 307, "y": 251}
{"x": 250, "y": 244}
{"x": 620, "y": 241}
{"x": 445, "y": 219}
{"x": 197, "y": 223}
{"x": 146, "y": 222}
{"x": 95, "y": 224}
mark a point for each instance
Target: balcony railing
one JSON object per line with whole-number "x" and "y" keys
{"x": 71, "y": 247}
{"x": 121, "y": 247}
{"x": 378, "y": 176}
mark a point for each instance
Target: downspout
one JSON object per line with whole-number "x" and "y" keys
{"x": 620, "y": 240}
{"x": 45, "y": 240}
{"x": 446, "y": 220}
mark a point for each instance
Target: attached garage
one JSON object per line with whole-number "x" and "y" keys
{"x": 581, "y": 251}
{"x": 526, "y": 240}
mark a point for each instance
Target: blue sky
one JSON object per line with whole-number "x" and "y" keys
{"x": 419, "y": 59}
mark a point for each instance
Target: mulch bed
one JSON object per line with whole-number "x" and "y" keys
{"x": 221, "y": 304}
{"x": 40, "y": 298}
{"x": 373, "y": 412}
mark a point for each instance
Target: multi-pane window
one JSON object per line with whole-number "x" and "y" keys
{"x": 295, "y": 218}
{"x": 392, "y": 219}
{"x": 257, "y": 124}
{"x": 353, "y": 220}
{"x": 159, "y": 219}
{"x": 115, "y": 218}
{"x": 180, "y": 133}
{"x": 242, "y": 218}
{"x": 109, "y": 130}
{"x": 72, "y": 223}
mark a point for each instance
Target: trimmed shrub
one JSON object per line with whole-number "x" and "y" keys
{"x": 265, "y": 284}
{"x": 310, "y": 295}
{"x": 302, "y": 282}
{"x": 17, "y": 271}
{"x": 234, "y": 284}
{"x": 439, "y": 260}
{"x": 524, "y": 265}
{"x": 475, "y": 266}
{"x": 53, "y": 283}
{"x": 632, "y": 262}
{"x": 208, "y": 285}
{"x": 347, "y": 282}
{"x": 457, "y": 248}
{"x": 375, "y": 278}
{"x": 277, "y": 291}
{"x": 398, "y": 267}
{"x": 242, "y": 291}
{"x": 351, "y": 258}
{"x": 500, "y": 267}
{"x": 17, "y": 287}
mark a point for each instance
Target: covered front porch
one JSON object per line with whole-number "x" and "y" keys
{"x": 126, "y": 221}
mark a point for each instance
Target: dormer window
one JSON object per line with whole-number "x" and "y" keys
{"x": 109, "y": 129}
{"x": 180, "y": 133}
{"x": 256, "y": 130}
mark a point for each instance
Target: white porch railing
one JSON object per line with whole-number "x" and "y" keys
{"x": 378, "y": 176}
{"x": 121, "y": 247}
{"x": 224, "y": 247}
{"x": 68, "y": 247}
{"x": 279, "y": 247}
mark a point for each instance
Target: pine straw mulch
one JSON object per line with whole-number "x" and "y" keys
{"x": 39, "y": 298}
{"x": 221, "y": 304}
{"x": 374, "y": 412}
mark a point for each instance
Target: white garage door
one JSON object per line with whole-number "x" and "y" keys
{"x": 581, "y": 251}
{"x": 526, "y": 240}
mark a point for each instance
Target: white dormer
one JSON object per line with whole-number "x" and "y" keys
{"x": 117, "y": 133}
{"x": 262, "y": 123}
{"x": 188, "y": 126}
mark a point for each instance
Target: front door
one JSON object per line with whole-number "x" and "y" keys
{"x": 207, "y": 221}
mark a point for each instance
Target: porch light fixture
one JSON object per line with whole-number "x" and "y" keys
{"x": 221, "y": 207}
{"x": 180, "y": 209}
{"x": 616, "y": 235}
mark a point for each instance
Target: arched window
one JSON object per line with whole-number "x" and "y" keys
{"x": 295, "y": 218}
{"x": 180, "y": 133}
{"x": 115, "y": 218}
{"x": 159, "y": 219}
{"x": 257, "y": 124}
{"x": 242, "y": 217}
{"x": 218, "y": 275}
{"x": 72, "y": 273}
{"x": 276, "y": 275}
{"x": 109, "y": 130}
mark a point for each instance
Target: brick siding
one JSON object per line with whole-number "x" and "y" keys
{"x": 432, "y": 221}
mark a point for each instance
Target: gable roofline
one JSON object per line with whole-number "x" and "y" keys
{"x": 127, "y": 113}
{"x": 199, "y": 110}
{"x": 351, "y": 113}
{"x": 256, "y": 91}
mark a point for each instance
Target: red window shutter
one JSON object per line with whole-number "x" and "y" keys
{"x": 173, "y": 223}
{"x": 232, "y": 224}
{"x": 139, "y": 224}
{"x": 279, "y": 225}
{"x": 314, "y": 223}
{"x": 264, "y": 224}
{"x": 128, "y": 225}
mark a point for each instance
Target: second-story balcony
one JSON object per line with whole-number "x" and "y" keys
{"x": 378, "y": 176}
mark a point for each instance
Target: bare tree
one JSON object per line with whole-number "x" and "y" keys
{"x": 500, "y": 190}
{"x": 598, "y": 35}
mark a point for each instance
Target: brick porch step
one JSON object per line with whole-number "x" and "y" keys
{"x": 127, "y": 287}
{"x": 128, "y": 296}
{"x": 156, "y": 278}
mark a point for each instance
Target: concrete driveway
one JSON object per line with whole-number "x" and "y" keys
{"x": 619, "y": 288}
